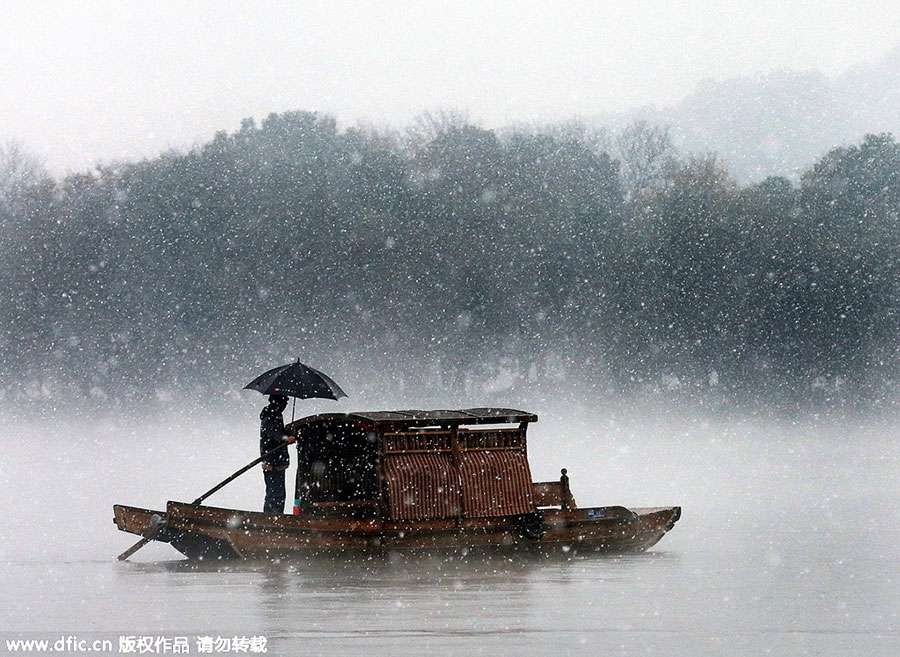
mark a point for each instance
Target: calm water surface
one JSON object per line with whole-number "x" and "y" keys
{"x": 788, "y": 545}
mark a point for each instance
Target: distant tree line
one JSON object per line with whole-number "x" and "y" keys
{"x": 467, "y": 262}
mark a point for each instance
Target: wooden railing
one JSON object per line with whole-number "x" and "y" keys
{"x": 440, "y": 440}
{"x": 434, "y": 440}
{"x": 491, "y": 439}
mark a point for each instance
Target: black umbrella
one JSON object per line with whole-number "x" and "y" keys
{"x": 296, "y": 380}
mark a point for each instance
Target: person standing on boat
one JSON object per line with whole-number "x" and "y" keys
{"x": 271, "y": 435}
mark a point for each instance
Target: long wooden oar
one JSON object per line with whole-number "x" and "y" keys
{"x": 156, "y": 530}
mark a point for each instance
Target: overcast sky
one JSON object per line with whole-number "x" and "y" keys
{"x": 85, "y": 82}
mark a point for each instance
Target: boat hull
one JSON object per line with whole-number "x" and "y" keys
{"x": 205, "y": 532}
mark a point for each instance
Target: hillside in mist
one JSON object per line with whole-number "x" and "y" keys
{"x": 780, "y": 123}
{"x": 453, "y": 263}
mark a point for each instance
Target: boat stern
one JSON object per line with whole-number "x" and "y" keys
{"x": 135, "y": 520}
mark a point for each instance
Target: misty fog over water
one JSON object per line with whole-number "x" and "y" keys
{"x": 787, "y": 544}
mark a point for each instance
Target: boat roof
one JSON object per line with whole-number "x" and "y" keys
{"x": 416, "y": 418}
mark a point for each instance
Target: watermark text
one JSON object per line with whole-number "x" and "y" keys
{"x": 142, "y": 644}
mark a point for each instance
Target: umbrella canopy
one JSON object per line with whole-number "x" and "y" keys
{"x": 296, "y": 380}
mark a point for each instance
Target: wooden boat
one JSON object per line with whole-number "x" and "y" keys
{"x": 423, "y": 480}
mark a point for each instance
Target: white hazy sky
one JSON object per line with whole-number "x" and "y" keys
{"x": 89, "y": 82}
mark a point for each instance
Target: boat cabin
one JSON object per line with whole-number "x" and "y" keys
{"x": 415, "y": 465}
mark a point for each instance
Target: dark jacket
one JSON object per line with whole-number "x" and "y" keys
{"x": 271, "y": 434}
